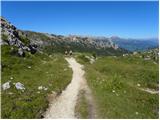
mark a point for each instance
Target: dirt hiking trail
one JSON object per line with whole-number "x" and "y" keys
{"x": 64, "y": 105}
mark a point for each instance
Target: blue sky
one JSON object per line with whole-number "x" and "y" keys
{"x": 124, "y": 19}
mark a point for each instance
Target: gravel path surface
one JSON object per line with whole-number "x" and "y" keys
{"x": 64, "y": 105}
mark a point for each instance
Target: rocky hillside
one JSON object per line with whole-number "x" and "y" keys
{"x": 12, "y": 37}
{"x": 151, "y": 54}
{"x": 32, "y": 41}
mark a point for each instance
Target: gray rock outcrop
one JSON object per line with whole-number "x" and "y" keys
{"x": 10, "y": 36}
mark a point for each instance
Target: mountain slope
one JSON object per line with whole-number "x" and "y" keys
{"x": 28, "y": 76}
{"x": 11, "y": 37}
{"x": 135, "y": 44}
{"x": 59, "y": 43}
{"x": 32, "y": 41}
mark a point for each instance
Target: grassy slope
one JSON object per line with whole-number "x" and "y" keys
{"x": 114, "y": 81}
{"x": 51, "y": 72}
{"x": 57, "y": 44}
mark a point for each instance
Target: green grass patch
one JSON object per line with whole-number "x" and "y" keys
{"x": 25, "y": 40}
{"x": 5, "y": 38}
{"x": 33, "y": 71}
{"x": 114, "y": 80}
{"x": 81, "y": 109}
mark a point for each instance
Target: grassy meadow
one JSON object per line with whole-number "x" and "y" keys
{"x": 115, "y": 83}
{"x": 33, "y": 71}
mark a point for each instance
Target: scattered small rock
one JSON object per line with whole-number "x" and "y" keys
{"x": 21, "y": 52}
{"x": 19, "y": 86}
{"x": 10, "y": 93}
{"x": 40, "y": 87}
{"x": 45, "y": 88}
{"x": 113, "y": 91}
{"x": 138, "y": 85}
{"x": 92, "y": 61}
{"x": 6, "y": 85}
{"x": 11, "y": 78}
{"x": 50, "y": 56}
{"x": 29, "y": 67}
{"x": 136, "y": 113}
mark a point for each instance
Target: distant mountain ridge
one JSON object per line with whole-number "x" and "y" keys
{"x": 76, "y": 43}
{"x": 26, "y": 40}
{"x": 136, "y": 44}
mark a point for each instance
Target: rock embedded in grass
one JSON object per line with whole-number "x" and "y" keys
{"x": 136, "y": 113}
{"x": 45, "y": 88}
{"x": 29, "y": 67}
{"x": 19, "y": 86}
{"x": 138, "y": 85}
{"x": 10, "y": 93}
{"x": 113, "y": 91}
{"x": 6, "y": 85}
